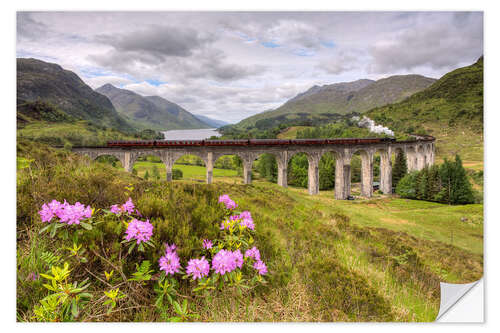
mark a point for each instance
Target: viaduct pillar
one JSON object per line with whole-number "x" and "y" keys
{"x": 367, "y": 174}
{"x": 313, "y": 173}
{"x": 247, "y": 170}
{"x": 282, "y": 160}
{"x": 342, "y": 176}
{"x": 210, "y": 167}
{"x": 385, "y": 172}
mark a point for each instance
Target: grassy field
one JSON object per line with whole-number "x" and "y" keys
{"x": 189, "y": 172}
{"x": 364, "y": 260}
{"x": 291, "y": 132}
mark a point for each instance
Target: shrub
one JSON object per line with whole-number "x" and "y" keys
{"x": 177, "y": 174}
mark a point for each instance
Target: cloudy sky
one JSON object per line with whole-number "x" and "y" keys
{"x": 229, "y": 66}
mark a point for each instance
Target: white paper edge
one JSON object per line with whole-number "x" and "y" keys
{"x": 461, "y": 303}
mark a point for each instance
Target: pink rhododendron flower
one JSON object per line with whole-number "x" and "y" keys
{"x": 238, "y": 258}
{"x": 198, "y": 268}
{"x": 247, "y": 220}
{"x": 170, "y": 248}
{"x": 170, "y": 262}
{"x": 139, "y": 230}
{"x": 260, "y": 267}
{"x": 70, "y": 214}
{"x": 207, "y": 244}
{"x": 230, "y": 204}
{"x": 253, "y": 253}
{"x": 224, "y": 262}
{"x": 127, "y": 207}
{"x": 115, "y": 209}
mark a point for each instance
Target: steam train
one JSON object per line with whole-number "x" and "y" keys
{"x": 247, "y": 142}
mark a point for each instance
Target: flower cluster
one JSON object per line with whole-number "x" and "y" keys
{"x": 224, "y": 262}
{"x": 66, "y": 213}
{"x": 198, "y": 268}
{"x": 246, "y": 220}
{"x": 139, "y": 230}
{"x": 259, "y": 265}
{"x": 207, "y": 244}
{"x": 127, "y": 207}
{"x": 230, "y": 204}
{"x": 170, "y": 262}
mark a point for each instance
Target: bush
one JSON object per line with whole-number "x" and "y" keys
{"x": 177, "y": 174}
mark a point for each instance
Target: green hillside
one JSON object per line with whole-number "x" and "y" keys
{"x": 328, "y": 260}
{"x": 42, "y": 81}
{"x": 451, "y": 109}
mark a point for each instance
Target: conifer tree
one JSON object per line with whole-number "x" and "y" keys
{"x": 146, "y": 175}
{"x": 461, "y": 192}
{"x": 400, "y": 168}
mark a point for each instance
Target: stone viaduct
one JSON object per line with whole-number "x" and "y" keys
{"x": 419, "y": 153}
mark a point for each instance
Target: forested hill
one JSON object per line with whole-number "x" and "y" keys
{"x": 451, "y": 110}
{"x": 47, "y": 82}
{"x": 455, "y": 100}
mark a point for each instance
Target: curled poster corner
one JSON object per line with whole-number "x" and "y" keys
{"x": 451, "y": 294}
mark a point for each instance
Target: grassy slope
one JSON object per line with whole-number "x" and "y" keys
{"x": 451, "y": 110}
{"x": 75, "y": 133}
{"x": 329, "y": 260}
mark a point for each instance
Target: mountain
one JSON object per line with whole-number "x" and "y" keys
{"x": 215, "y": 123}
{"x": 150, "y": 111}
{"x": 342, "y": 98}
{"x": 39, "y": 81}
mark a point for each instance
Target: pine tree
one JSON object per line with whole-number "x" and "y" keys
{"x": 156, "y": 173}
{"x": 400, "y": 168}
{"x": 461, "y": 192}
{"x": 146, "y": 175}
{"x": 434, "y": 183}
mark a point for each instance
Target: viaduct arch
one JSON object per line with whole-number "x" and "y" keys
{"x": 419, "y": 154}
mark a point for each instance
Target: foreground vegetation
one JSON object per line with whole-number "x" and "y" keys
{"x": 327, "y": 260}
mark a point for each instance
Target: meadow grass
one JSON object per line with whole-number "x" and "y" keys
{"x": 365, "y": 260}
{"x": 188, "y": 171}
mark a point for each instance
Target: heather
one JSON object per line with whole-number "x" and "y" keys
{"x": 306, "y": 258}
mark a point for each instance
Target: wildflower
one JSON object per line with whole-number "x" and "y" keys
{"x": 247, "y": 220}
{"x": 253, "y": 253}
{"x": 238, "y": 258}
{"x": 260, "y": 267}
{"x": 139, "y": 230}
{"x": 46, "y": 214}
{"x": 198, "y": 268}
{"x": 127, "y": 207}
{"x": 170, "y": 262}
{"x": 66, "y": 213}
{"x": 115, "y": 209}
{"x": 170, "y": 248}
{"x": 207, "y": 244}
{"x": 223, "y": 262}
{"x": 230, "y": 204}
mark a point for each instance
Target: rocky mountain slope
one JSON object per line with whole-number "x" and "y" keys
{"x": 47, "y": 82}
{"x": 342, "y": 98}
{"x": 150, "y": 111}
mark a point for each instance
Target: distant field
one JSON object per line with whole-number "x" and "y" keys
{"x": 291, "y": 132}
{"x": 188, "y": 171}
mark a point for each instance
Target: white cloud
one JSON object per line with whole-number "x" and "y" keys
{"x": 234, "y": 65}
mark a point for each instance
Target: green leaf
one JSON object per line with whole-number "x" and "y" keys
{"x": 45, "y": 228}
{"x": 74, "y": 308}
{"x": 86, "y": 225}
{"x": 131, "y": 248}
{"x": 177, "y": 308}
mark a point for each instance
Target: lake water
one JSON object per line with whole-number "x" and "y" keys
{"x": 191, "y": 134}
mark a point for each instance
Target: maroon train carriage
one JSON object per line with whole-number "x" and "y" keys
{"x": 252, "y": 142}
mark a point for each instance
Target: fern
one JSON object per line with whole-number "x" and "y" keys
{"x": 50, "y": 259}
